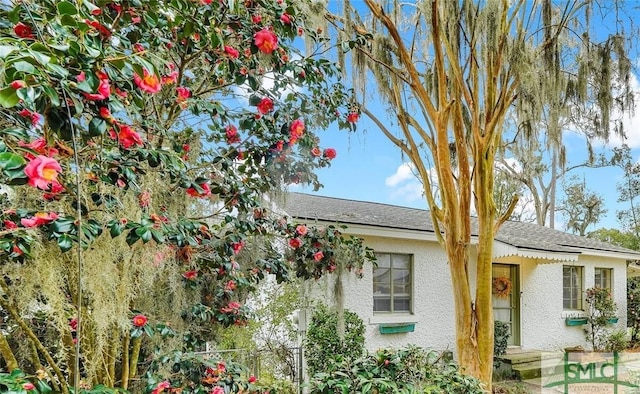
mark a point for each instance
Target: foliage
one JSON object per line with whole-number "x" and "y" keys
{"x": 501, "y": 341}
{"x": 323, "y": 348}
{"x": 628, "y": 190}
{"x": 633, "y": 308}
{"x": 617, "y": 341}
{"x": 600, "y": 308}
{"x": 581, "y": 207}
{"x": 406, "y": 370}
{"x": 138, "y": 143}
{"x": 615, "y": 236}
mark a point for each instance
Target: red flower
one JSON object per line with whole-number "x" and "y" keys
{"x": 148, "y": 83}
{"x": 265, "y": 105}
{"x": 39, "y": 145}
{"x": 35, "y": 117}
{"x": 183, "y": 93}
{"x": 295, "y": 243}
{"x": 256, "y": 19}
{"x": 266, "y": 41}
{"x": 18, "y": 84}
{"x": 161, "y": 386}
{"x": 55, "y": 189}
{"x": 23, "y": 31}
{"x": 230, "y": 286}
{"x": 42, "y": 172}
{"x": 232, "y": 134}
{"x": 252, "y": 379}
{"x": 190, "y": 275}
{"x": 39, "y": 219}
{"x": 73, "y": 323}
{"x": 232, "y": 52}
{"x": 316, "y": 152}
{"x": 139, "y": 320}
{"x": 105, "y": 113}
{"x": 205, "y": 191}
{"x": 317, "y": 256}
{"x": 285, "y": 18}
{"x": 237, "y": 247}
{"x": 137, "y": 47}
{"x": 205, "y": 2}
{"x": 233, "y": 307}
{"x": 353, "y": 117}
{"x": 296, "y": 130}
{"x": 9, "y": 225}
{"x": 28, "y": 386}
{"x": 329, "y": 153}
{"x": 100, "y": 28}
{"x": 104, "y": 89}
{"x": 126, "y": 136}
{"x": 171, "y": 78}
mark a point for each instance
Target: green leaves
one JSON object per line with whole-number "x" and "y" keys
{"x": 66, "y": 8}
{"x": 8, "y": 97}
{"x": 12, "y": 166}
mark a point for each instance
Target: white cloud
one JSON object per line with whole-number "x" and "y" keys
{"x": 403, "y": 173}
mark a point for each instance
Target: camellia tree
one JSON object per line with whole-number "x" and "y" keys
{"x": 138, "y": 143}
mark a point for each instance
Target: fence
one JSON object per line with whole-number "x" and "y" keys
{"x": 278, "y": 362}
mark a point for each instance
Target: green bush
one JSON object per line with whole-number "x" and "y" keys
{"x": 407, "y": 370}
{"x": 323, "y": 347}
{"x": 617, "y": 341}
{"x": 500, "y": 341}
{"x": 600, "y": 309}
{"x": 633, "y": 308}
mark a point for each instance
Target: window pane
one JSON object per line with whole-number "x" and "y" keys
{"x": 571, "y": 287}
{"x": 392, "y": 283}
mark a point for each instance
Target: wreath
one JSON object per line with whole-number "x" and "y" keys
{"x": 502, "y": 287}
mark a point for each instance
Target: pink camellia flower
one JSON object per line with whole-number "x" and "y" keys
{"x": 266, "y": 41}
{"x": 81, "y": 77}
{"x": 190, "y": 275}
{"x": 285, "y": 18}
{"x": 18, "y": 84}
{"x": 23, "y": 31}
{"x": 252, "y": 379}
{"x": 231, "y": 51}
{"x": 217, "y": 390}
{"x": 230, "y": 286}
{"x": 256, "y": 19}
{"x": 55, "y": 189}
{"x": 301, "y": 229}
{"x": 126, "y": 136}
{"x": 39, "y": 219}
{"x": 329, "y": 153}
{"x": 28, "y": 386}
{"x": 104, "y": 89}
{"x": 295, "y": 243}
{"x": 170, "y": 78}
{"x": 161, "y": 387}
{"x": 39, "y": 145}
{"x": 183, "y": 93}
{"x": 42, "y": 172}
{"x": 265, "y": 105}
{"x": 296, "y": 130}
{"x": 232, "y": 307}
{"x": 316, "y": 152}
{"x": 353, "y": 117}
{"x": 317, "y": 256}
{"x": 34, "y": 116}
{"x": 148, "y": 82}
{"x": 232, "y": 134}
{"x": 206, "y": 190}
{"x": 139, "y": 320}
{"x": 105, "y": 113}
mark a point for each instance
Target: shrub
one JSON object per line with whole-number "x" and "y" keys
{"x": 600, "y": 308}
{"x": 617, "y": 341}
{"x": 633, "y": 308}
{"x": 407, "y": 370}
{"x": 500, "y": 341}
{"x": 323, "y": 347}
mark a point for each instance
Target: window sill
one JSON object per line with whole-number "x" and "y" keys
{"x": 393, "y": 318}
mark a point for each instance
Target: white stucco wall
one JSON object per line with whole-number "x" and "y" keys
{"x": 432, "y": 299}
{"x": 542, "y": 318}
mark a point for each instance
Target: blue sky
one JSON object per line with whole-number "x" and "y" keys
{"x": 369, "y": 168}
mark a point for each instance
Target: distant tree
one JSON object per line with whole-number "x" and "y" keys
{"x": 628, "y": 190}
{"x": 614, "y": 236}
{"x": 580, "y": 206}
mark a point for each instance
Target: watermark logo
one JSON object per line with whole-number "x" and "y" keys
{"x": 592, "y": 373}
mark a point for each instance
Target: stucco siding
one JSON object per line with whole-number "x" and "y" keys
{"x": 542, "y": 317}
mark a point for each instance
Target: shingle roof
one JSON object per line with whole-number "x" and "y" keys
{"x": 307, "y": 207}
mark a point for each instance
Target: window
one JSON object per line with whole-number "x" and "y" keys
{"x": 572, "y": 287}
{"x": 392, "y": 283}
{"x": 603, "y": 278}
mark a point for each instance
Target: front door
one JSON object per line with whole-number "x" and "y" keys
{"x": 506, "y": 299}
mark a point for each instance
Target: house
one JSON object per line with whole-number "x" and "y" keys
{"x": 540, "y": 276}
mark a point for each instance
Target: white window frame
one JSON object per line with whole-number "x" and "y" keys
{"x": 576, "y": 287}
{"x": 608, "y": 278}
